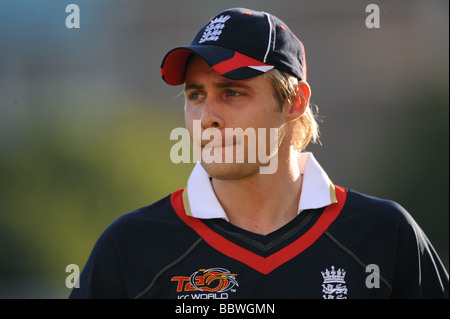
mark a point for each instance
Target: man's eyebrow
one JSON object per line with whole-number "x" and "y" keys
{"x": 219, "y": 85}
{"x": 193, "y": 86}
{"x": 226, "y": 85}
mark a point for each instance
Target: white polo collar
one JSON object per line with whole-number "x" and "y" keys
{"x": 200, "y": 201}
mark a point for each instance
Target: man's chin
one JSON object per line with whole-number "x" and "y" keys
{"x": 230, "y": 171}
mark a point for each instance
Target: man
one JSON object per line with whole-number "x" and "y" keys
{"x": 236, "y": 231}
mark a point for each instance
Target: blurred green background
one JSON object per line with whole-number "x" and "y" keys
{"x": 85, "y": 118}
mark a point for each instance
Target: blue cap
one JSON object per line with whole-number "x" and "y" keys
{"x": 240, "y": 44}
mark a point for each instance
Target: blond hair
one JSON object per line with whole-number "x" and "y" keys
{"x": 306, "y": 128}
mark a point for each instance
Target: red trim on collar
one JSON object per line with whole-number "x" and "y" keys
{"x": 261, "y": 264}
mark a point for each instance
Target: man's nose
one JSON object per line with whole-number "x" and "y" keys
{"x": 211, "y": 116}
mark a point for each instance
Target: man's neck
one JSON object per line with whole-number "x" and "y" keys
{"x": 262, "y": 203}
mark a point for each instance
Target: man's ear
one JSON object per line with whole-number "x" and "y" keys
{"x": 300, "y": 102}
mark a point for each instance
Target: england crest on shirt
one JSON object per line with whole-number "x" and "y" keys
{"x": 334, "y": 286}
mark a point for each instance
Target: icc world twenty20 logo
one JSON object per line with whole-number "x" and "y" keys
{"x": 209, "y": 283}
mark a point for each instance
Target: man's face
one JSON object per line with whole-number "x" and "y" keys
{"x": 220, "y": 103}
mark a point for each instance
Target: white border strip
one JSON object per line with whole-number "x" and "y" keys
{"x": 270, "y": 37}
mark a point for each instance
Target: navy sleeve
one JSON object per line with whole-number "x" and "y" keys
{"x": 102, "y": 275}
{"x": 132, "y": 251}
{"x": 382, "y": 232}
{"x": 419, "y": 272}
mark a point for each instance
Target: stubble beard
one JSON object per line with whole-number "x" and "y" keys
{"x": 231, "y": 171}
{"x": 237, "y": 170}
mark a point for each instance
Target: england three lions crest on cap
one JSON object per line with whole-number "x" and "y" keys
{"x": 334, "y": 286}
{"x": 214, "y": 29}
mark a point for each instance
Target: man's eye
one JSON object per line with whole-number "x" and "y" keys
{"x": 195, "y": 96}
{"x": 233, "y": 93}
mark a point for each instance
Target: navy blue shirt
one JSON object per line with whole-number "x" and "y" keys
{"x": 360, "y": 247}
